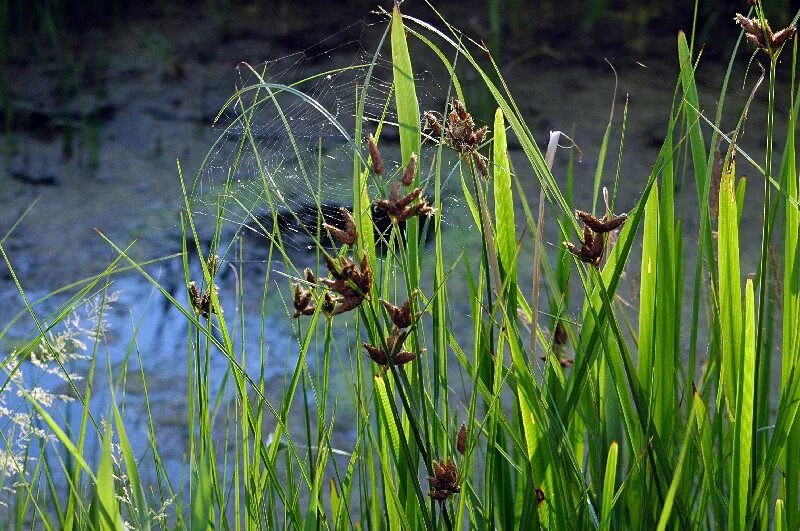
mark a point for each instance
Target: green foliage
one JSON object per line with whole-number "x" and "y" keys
{"x": 590, "y": 418}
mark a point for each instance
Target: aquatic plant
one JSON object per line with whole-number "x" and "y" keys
{"x": 636, "y": 417}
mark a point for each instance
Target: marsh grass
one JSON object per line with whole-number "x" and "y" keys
{"x": 530, "y": 414}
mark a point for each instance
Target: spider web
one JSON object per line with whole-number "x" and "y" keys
{"x": 283, "y": 162}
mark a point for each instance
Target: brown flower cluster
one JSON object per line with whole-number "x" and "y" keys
{"x": 349, "y": 234}
{"x": 460, "y": 134}
{"x": 393, "y": 354}
{"x": 763, "y": 38}
{"x": 400, "y": 315}
{"x": 201, "y": 302}
{"x": 444, "y": 482}
{"x": 352, "y": 285}
{"x": 402, "y": 208}
{"x": 375, "y": 155}
{"x": 461, "y": 439}
{"x": 601, "y": 226}
{"x": 591, "y": 249}
{"x": 303, "y": 298}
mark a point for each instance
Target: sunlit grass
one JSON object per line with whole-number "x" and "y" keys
{"x": 532, "y": 414}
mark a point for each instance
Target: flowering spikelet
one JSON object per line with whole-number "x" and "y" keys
{"x": 433, "y": 124}
{"x": 347, "y": 236}
{"x": 411, "y": 169}
{"x": 762, "y": 37}
{"x": 591, "y": 250}
{"x": 444, "y": 482}
{"x": 202, "y": 301}
{"x": 393, "y": 353}
{"x": 303, "y": 301}
{"x": 601, "y": 226}
{"x": 377, "y": 161}
{"x": 350, "y": 284}
{"x": 400, "y": 208}
{"x": 328, "y": 304}
{"x": 400, "y": 315}
{"x": 481, "y": 165}
{"x": 461, "y": 439}
{"x": 212, "y": 265}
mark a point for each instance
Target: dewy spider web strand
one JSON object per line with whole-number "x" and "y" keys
{"x": 285, "y": 155}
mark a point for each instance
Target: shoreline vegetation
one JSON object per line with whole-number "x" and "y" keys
{"x": 536, "y": 413}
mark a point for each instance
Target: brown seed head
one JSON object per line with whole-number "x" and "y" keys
{"x": 606, "y": 224}
{"x": 591, "y": 250}
{"x": 349, "y": 235}
{"x": 480, "y": 164}
{"x": 400, "y": 315}
{"x": 444, "y": 482}
{"x": 782, "y": 36}
{"x": 432, "y": 123}
{"x": 411, "y": 169}
{"x": 375, "y": 155}
{"x": 461, "y": 439}
{"x": 763, "y": 37}
{"x": 350, "y": 284}
{"x": 311, "y": 278}
{"x": 303, "y": 301}
{"x": 394, "y": 353}
{"x": 400, "y": 209}
{"x": 212, "y": 265}
{"x": 328, "y": 304}
{"x": 202, "y": 301}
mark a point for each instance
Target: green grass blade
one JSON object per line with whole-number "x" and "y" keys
{"x": 743, "y": 427}
{"x": 730, "y": 294}
{"x": 609, "y": 484}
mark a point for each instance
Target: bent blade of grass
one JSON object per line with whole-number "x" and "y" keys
{"x": 730, "y": 295}
{"x": 503, "y": 200}
{"x": 408, "y": 122}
